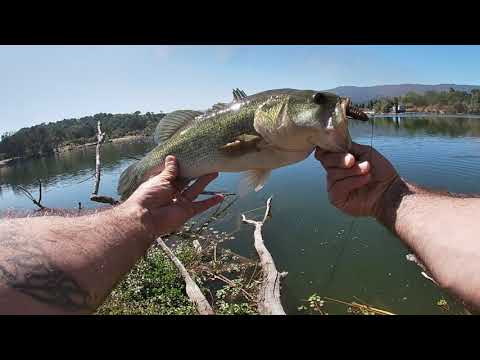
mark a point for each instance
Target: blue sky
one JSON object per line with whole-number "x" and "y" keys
{"x": 51, "y": 83}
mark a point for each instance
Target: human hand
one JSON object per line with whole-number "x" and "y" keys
{"x": 163, "y": 202}
{"x": 357, "y": 181}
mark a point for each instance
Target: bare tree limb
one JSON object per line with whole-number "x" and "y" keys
{"x": 98, "y": 169}
{"x": 29, "y": 195}
{"x": 224, "y": 193}
{"x": 215, "y": 216}
{"x": 229, "y": 282}
{"x": 269, "y": 294}
{"x": 193, "y": 291}
{"x": 40, "y": 193}
{"x": 361, "y": 307}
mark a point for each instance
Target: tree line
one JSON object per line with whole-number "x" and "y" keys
{"x": 451, "y": 101}
{"x": 45, "y": 138}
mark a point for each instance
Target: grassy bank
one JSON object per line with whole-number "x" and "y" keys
{"x": 155, "y": 287}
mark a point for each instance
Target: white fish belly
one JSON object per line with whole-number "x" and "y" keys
{"x": 265, "y": 159}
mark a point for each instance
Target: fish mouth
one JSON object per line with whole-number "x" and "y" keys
{"x": 352, "y": 111}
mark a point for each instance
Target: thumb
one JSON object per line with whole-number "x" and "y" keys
{"x": 170, "y": 171}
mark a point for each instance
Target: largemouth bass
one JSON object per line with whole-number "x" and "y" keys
{"x": 253, "y": 134}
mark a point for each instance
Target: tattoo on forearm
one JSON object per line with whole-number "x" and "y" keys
{"x": 29, "y": 270}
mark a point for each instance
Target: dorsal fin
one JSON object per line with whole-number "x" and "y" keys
{"x": 172, "y": 123}
{"x": 217, "y": 107}
{"x": 214, "y": 109}
{"x": 238, "y": 94}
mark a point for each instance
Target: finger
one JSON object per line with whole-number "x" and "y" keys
{"x": 198, "y": 186}
{"x": 203, "y": 205}
{"x": 170, "y": 171}
{"x": 335, "y": 160}
{"x": 341, "y": 189}
{"x": 337, "y": 174}
{"x": 166, "y": 176}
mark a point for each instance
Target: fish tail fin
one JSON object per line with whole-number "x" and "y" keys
{"x": 128, "y": 181}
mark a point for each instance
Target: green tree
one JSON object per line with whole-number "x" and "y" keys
{"x": 44, "y": 138}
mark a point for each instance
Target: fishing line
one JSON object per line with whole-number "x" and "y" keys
{"x": 338, "y": 257}
{"x": 352, "y": 223}
{"x": 73, "y": 184}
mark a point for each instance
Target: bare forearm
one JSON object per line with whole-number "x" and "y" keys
{"x": 67, "y": 265}
{"x": 442, "y": 230}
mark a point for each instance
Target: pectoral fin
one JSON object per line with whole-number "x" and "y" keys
{"x": 253, "y": 180}
{"x": 242, "y": 145}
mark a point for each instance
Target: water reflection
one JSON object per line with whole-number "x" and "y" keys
{"x": 81, "y": 163}
{"x": 434, "y": 125}
{"x": 67, "y": 166}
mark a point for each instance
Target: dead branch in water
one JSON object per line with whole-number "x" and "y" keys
{"x": 98, "y": 169}
{"x": 193, "y": 291}
{"x": 100, "y": 140}
{"x": 219, "y": 212}
{"x": 269, "y": 294}
{"x": 364, "y": 308}
{"x": 46, "y": 211}
{"x": 30, "y": 196}
{"x": 229, "y": 282}
{"x": 224, "y": 193}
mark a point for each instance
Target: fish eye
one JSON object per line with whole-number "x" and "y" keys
{"x": 320, "y": 98}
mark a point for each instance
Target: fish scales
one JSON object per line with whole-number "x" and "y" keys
{"x": 253, "y": 134}
{"x": 200, "y": 142}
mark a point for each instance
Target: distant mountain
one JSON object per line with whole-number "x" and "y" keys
{"x": 362, "y": 94}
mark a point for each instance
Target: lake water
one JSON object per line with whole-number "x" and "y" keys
{"x": 324, "y": 251}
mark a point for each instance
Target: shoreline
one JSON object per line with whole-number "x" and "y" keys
{"x": 67, "y": 148}
{"x": 127, "y": 138}
{"x": 419, "y": 114}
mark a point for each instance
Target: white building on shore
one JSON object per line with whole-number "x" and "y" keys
{"x": 398, "y": 109}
